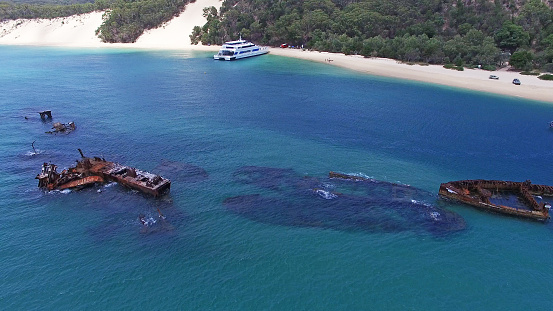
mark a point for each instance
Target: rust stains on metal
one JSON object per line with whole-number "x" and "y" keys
{"x": 50, "y": 179}
{"x": 82, "y": 182}
{"x": 489, "y": 194}
{"x": 97, "y": 170}
{"x": 65, "y": 128}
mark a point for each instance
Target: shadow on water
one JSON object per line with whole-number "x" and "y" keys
{"x": 126, "y": 211}
{"x": 369, "y": 205}
{"x": 181, "y": 172}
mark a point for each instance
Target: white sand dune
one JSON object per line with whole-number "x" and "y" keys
{"x": 79, "y": 31}
{"x": 175, "y": 34}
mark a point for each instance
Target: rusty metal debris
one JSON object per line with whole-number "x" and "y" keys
{"x": 94, "y": 170}
{"x": 65, "y": 128}
{"x": 490, "y": 194}
{"x": 46, "y": 114}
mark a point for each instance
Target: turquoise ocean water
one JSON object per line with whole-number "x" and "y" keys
{"x": 87, "y": 250}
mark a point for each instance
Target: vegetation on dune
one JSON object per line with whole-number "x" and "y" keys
{"x": 25, "y": 10}
{"x": 127, "y": 20}
{"x": 57, "y": 2}
{"x": 463, "y": 32}
{"x": 548, "y": 77}
{"x": 485, "y": 33}
{"x": 124, "y": 21}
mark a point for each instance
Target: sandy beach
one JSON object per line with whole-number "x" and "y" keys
{"x": 79, "y": 31}
{"x": 473, "y": 79}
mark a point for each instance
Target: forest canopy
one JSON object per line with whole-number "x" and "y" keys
{"x": 471, "y": 33}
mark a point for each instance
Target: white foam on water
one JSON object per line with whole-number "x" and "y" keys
{"x": 110, "y": 184}
{"x": 33, "y": 153}
{"x": 362, "y": 175}
{"x": 149, "y": 221}
{"x": 421, "y": 203}
{"x": 435, "y": 215}
{"x": 326, "y": 194}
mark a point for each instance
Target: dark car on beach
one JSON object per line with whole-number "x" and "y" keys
{"x": 516, "y": 82}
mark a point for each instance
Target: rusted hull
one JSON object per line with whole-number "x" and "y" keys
{"x": 127, "y": 176}
{"x": 131, "y": 183}
{"x": 477, "y": 193}
{"x": 96, "y": 170}
{"x": 83, "y": 182}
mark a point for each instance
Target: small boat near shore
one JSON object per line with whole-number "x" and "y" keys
{"x": 506, "y": 197}
{"x": 239, "y": 49}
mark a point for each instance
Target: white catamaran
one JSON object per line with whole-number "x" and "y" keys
{"x": 238, "y": 49}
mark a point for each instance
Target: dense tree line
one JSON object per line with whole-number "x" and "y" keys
{"x": 51, "y": 2}
{"x": 57, "y": 2}
{"x": 26, "y": 10}
{"x": 464, "y": 32}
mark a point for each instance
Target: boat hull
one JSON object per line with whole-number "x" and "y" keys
{"x": 240, "y": 56}
{"x": 95, "y": 170}
{"x": 477, "y": 193}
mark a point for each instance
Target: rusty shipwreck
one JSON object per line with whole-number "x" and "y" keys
{"x": 521, "y": 199}
{"x": 96, "y": 170}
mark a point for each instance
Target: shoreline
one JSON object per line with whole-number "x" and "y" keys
{"x": 470, "y": 79}
{"x": 78, "y": 31}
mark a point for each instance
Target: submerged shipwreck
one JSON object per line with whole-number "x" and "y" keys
{"x": 506, "y": 197}
{"x": 339, "y": 202}
{"x": 89, "y": 171}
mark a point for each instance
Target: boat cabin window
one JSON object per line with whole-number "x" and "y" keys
{"x": 226, "y": 52}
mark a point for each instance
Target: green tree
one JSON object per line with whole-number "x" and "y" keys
{"x": 534, "y": 17}
{"x": 522, "y": 60}
{"x": 488, "y": 53}
{"x": 512, "y": 37}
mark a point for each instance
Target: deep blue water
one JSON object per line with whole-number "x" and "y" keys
{"x": 87, "y": 249}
